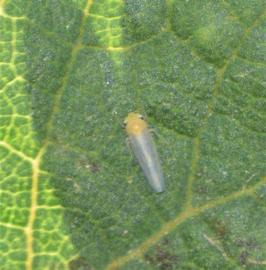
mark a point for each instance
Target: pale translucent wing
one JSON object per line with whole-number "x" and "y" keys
{"x": 146, "y": 154}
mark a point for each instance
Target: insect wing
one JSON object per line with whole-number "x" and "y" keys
{"x": 146, "y": 154}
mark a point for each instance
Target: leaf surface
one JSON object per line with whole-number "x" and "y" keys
{"x": 72, "y": 196}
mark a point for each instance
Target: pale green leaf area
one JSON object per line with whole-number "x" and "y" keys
{"x": 72, "y": 195}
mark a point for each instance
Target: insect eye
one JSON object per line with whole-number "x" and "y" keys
{"x": 141, "y": 117}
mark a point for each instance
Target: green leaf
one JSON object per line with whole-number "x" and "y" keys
{"x": 72, "y": 196}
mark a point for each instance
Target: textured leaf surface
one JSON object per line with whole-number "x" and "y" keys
{"x": 72, "y": 197}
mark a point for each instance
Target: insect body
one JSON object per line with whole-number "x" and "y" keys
{"x": 144, "y": 149}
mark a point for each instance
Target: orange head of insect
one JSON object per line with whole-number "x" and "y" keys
{"x": 134, "y": 124}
